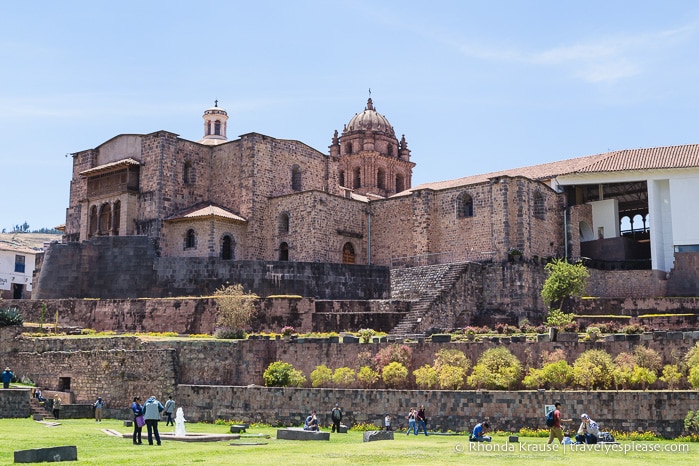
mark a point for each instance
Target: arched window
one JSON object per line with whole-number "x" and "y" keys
{"x": 464, "y": 205}
{"x": 190, "y": 240}
{"x": 93, "y": 221}
{"x": 390, "y": 150}
{"x": 381, "y": 179}
{"x": 187, "y": 172}
{"x": 357, "y": 178}
{"x": 539, "y": 206}
{"x": 217, "y": 127}
{"x": 105, "y": 219}
{"x": 348, "y": 254}
{"x": 283, "y": 252}
{"x": 296, "y": 178}
{"x": 625, "y": 225}
{"x": 400, "y": 183}
{"x": 116, "y": 217}
{"x": 342, "y": 178}
{"x": 283, "y": 223}
{"x": 208, "y": 128}
{"x": 227, "y": 248}
{"x": 348, "y": 148}
{"x": 586, "y": 233}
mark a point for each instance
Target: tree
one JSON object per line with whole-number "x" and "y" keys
{"x": 564, "y": 281}
{"x": 556, "y": 375}
{"x": 451, "y": 377}
{"x": 393, "y": 353}
{"x": 283, "y": 374}
{"x": 452, "y": 357}
{"x": 235, "y": 308}
{"x": 497, "y": 368}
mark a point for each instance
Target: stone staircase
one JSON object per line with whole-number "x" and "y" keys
{"x": 423, "y": 286}
{"x": 38, "y": 411}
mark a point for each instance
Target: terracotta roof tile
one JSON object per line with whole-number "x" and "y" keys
{"x": 109, "y": 166}
{"x": 207, "y": 211}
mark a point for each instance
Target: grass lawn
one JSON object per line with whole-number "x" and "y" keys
{"x": 97, "y": 448}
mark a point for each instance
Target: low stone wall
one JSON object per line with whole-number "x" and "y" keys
{"x": 14, "y": 402}
{"x": 662, "y": 412}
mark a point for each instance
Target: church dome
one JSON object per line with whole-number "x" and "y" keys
{"x": 370, "y": 120}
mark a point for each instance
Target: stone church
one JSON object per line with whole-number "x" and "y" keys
{"x": 258, "y": 198}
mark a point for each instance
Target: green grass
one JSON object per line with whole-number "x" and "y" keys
{"x": 98, "y": 448}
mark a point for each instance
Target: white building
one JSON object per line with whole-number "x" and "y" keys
{"x": 16, "y": 268}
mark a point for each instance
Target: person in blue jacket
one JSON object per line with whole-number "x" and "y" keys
{"x": 151, "y": 413}
{"x": 138, "y": 420}
{"x": 7, "y": 377}
{"x": 478, "y": 434}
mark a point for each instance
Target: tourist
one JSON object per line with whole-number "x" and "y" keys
{"x": 151, "y": 413}
{"x": 336, "y": 416}
{"x": 478, "y": 434}
{"x": 387, "y": 422}
{"x": 411, "y": 422}
{"x": 588, "y": 431}
{"x": 421, "y": 420}
{"x": 99, "y": 404}
{"x": 56, "y": 406}
{"x": 311, "y": 422}
{"x": 7, "y": 376}
{"x": 169, "y": 410}
{"x": 556, "y": 429}
{"x": 138, "y": 421}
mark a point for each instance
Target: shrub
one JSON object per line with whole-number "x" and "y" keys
{"x": 609, "y": 327}
{"x": 671, "y": 376}
{"x": 594, "y": 333}
{"x": 367, "y": 376}
{"x": 556, "y": 355}
{"x": 394, "y": 375}
{"x": 593, "y": 369}
{"x": 693, "y": 377}
{"x": 283, "y": 374}
{"x": 365, "y": 335}
{"x": 226, "y": 333}
{"x": 426, "y": 377}
{"x": 558, "y": 319}
{"x": 648, "y": 358}
{"x": 321, "y": 376}
{"x": 235, "y": 307}
{"x": 343, "y": 377}
{"x": 632, "y": 329}
{"x": 497, "y": 368}
{"x": 556, "y": 375}
{"x": 692, "y": 356}
{"x": 624, "y": 364}
{"x": 393, "y": 353}
{"x": 451, "y": 357}
{"x": 642, "y": 377}
{"x": 691, "y": 422}
{"x": 451, "y": 377}
{"x": 10, "y": 317}
{"x": 288, "y": 330}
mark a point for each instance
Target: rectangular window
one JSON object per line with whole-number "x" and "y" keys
{"x": 19, "y": 264}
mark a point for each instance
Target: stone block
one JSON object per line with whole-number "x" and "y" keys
{"x": 695, "y": 334}
{"x": 647, "y": 336}
{"x": 633, "y": 337}
{"x": 374, "y": 435}
{"x": 513, "y": 439}
{"x": 441, "y": 338}
{"x": 38, "y": 417}
{"x": 619, "y": 337}
{"x": 128, "y": 423}
{"x": 238, "y": 428}
{"x": 48, "y": 455}
{"x": 343, "y": 429}
{"x": 687, "y": 335}
{"x": 567, "y": 336}
{"x": 300, "y": 434}
{"x": 673, "y": 336}
{"x": 543, "y": 338}
{"x": 659, "y": 335}
{"x": 350, "y": 339}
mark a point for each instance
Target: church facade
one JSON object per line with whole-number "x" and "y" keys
{"x": 265, "y": 199}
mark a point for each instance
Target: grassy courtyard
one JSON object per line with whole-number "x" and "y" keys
{"x": 97, "y": 448}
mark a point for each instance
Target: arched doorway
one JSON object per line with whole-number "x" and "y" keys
{"x": 283, "y": 252}
{"x": 348, "y": 256}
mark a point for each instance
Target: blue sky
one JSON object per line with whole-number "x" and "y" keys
{"x": 474, "y": 86}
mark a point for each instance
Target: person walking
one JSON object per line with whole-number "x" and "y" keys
{"x": 411, "y": 422}
{"x": 56, "y": 406}
{"x": 99, "y": 404}
{"x": 169, "y": 411}
{"x": 138, "y": 421}
{"x": 556, "y": 429}
{"x": 6, "y": 377}
{"x": 151, "y": 413}
{"x": 336, "y": 416}
{"x": 421, "y": 420}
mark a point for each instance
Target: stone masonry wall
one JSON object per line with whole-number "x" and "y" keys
{"x": 662, "y": 412}
{"x": 14, "y": 403}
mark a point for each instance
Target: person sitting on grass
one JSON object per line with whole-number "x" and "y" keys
{"x": 588, "y": 431}
{"x": 478, "y": 434}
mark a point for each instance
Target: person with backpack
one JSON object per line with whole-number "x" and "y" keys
{"x": 336, "y": 416}
{"x": 553, "y": 420}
